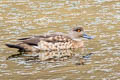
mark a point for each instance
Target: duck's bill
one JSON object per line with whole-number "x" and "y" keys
{"x": 87, "y": 37}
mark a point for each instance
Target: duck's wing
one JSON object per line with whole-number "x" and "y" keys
{"x": 40, "y": 36}
{"x": 32, "y": 40}
{"x": 57, "y": 38}
{"x": 53, "y": 38}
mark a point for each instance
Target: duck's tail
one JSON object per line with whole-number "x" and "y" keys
{"x": 15, "y": 46}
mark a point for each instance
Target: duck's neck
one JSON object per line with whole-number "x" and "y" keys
{"x": 74, "y": 36}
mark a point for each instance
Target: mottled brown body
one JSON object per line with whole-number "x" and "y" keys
{"x": 51, "y": 41}
{"x": 55, "y": 42}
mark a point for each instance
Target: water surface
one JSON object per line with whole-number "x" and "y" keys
{"x": 23, "y": 18}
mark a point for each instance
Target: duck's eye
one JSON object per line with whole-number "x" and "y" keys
{"x": 78, "y": 30}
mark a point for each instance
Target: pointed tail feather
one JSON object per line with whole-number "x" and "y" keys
{"x": 15, "y": 46}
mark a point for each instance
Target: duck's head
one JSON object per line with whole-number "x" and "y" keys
{"x": 78, "y": 32}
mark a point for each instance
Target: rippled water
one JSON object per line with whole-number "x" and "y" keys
{"x": 23, "y": 18}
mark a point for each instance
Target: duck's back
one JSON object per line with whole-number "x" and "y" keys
{"x": 49, "y": 42}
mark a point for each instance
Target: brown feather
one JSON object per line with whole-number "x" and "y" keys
{"x": 48, "y": 38}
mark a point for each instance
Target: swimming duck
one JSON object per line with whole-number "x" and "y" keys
{"x": 56, "y": 41}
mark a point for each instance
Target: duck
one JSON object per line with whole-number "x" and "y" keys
{"x": 51, "y": 42}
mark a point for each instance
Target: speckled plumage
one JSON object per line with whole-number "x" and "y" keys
{"x": 51, "y": 41}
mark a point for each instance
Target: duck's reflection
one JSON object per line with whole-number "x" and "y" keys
{"x": 52, "y": 56}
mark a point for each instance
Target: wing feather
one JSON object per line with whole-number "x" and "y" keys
{"x": 53, "y": 38}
